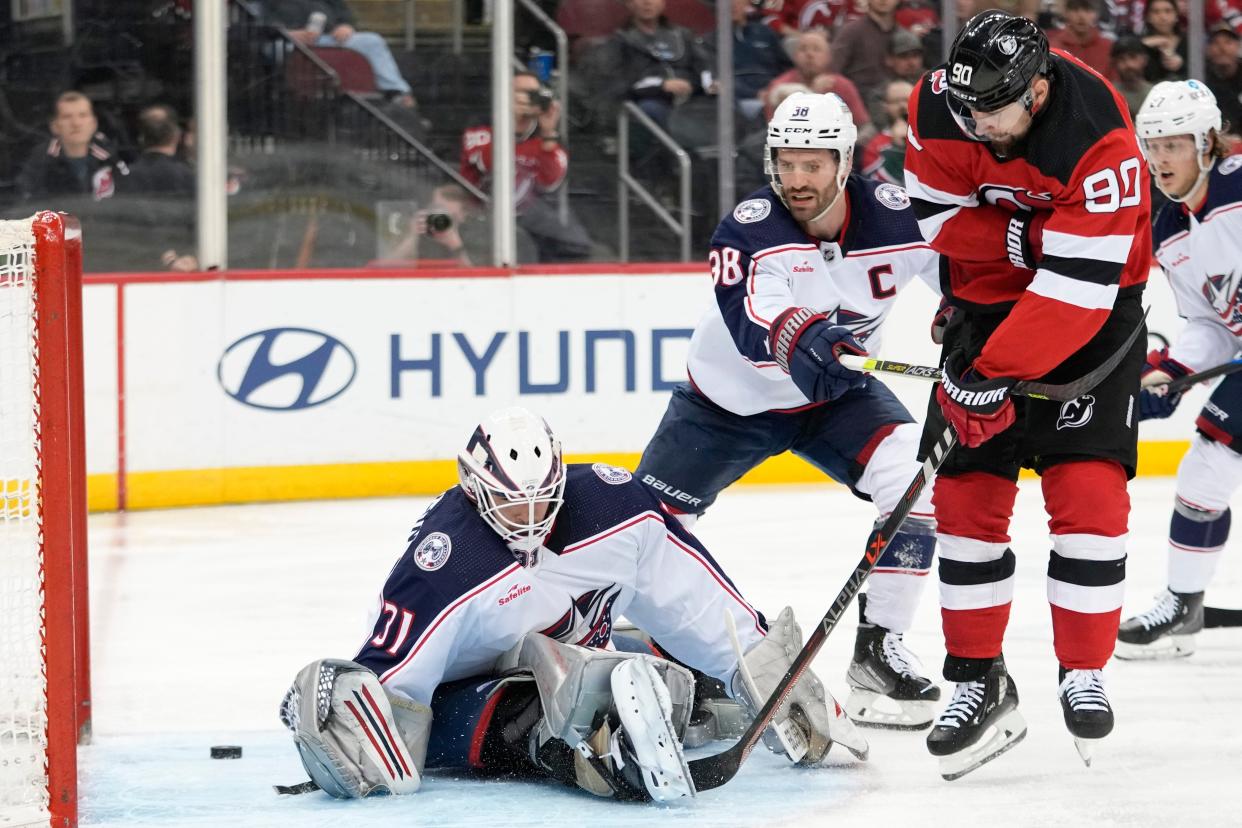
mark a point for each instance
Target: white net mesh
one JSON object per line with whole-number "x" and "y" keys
{"x": 23, "y": 699}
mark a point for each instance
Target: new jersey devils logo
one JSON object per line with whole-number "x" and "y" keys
{"x": 938, "y": 84}
{"x": 1076, "y": 413}
{"x": 1014, "y": 197}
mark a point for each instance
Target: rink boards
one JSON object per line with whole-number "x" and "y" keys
{"x": 260, "y": 386}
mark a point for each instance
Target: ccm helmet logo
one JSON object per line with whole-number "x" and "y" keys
{"x": 286, "y": 369}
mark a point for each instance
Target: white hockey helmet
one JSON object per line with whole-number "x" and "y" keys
{"x": 1180, "y": 108}
{"x": 514, "y": 460}
{"x": 806, "y": 120}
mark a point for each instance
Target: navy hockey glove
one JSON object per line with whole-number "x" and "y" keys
{"x": 978, "y": 408}
{"x": 1154, "y": 403}
{"x": 1024, "y": 238}
{"x": 806, "y": 348}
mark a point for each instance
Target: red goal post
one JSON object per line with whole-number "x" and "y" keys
{"x": 44, "y": 642}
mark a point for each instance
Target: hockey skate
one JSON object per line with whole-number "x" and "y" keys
{"x": 1088, "y": 715}
{"x": 980, "y": 723}
{"x": 887, "y": 688}
{"x": 715, "y": 715}
{"x": 1167, "y": 630}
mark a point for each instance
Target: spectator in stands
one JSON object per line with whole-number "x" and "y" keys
{"x": 542, "y": 164}
{"x": 1080, "y": 36}
{"x": 758, "y": 57}
{"x": 918, "y": 16}
{"x": 788, "y": 17}
{"x": 160, "y": 189}
{"x": 448, "y": 228}
{"x": 884, "y": 156}
{"x": 1129, "y": 66}
{"x": 812, "y": 58}
{"x": 1228, "y": 12}
{"x": 654, "y": 63}
{"x": 861, "y": 46}
{"x": 904, "y": 62}
{"x": 332, "y": 23}
{"x": 160, "y": 169}
{"x": 1223, "y": 75}
{"x": 1165, "y": 41}
{"x": 78, "y": 160}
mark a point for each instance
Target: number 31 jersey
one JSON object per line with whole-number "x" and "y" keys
{"x": 763, "y": 262}
{"x": 1080, "y": 163}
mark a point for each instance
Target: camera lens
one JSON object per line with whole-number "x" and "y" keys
{"x": 438, "y": 222}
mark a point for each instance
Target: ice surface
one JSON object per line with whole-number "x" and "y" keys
{"x": 201, "y": 618}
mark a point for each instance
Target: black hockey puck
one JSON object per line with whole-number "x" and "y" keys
{"x": 226, "y": 752}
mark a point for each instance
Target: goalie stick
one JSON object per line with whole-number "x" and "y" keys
{"x": 715, "y": 770}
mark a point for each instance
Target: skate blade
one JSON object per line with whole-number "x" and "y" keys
{"x": 870, "y": 709}
{"x": 1168, "y": 647}
{"x": 1000, "y": 737}
{"x": 1085, "y": 747}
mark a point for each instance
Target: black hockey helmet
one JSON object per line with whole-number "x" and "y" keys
{"x": 993, "y": 61}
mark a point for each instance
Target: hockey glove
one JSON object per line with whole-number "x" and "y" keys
{"x": 978, "y": 408}
{"x": 1154, "y": 401}
{"x": 1024, "y": 238}
{"x": 805, "y": 346}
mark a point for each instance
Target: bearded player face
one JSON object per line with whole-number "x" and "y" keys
{"x": 808, "y": 180}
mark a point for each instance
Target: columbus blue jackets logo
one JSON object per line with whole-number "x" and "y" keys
{"x": 612, "y": 475}
{"x": 892, "y": 197}
{"x": 752, "y": 210}
{"x": 1076, "y": 413}
{"x": 433, "y": 552}
{"x": 1230, "y": 164}
{"x": 588, "y": 622}
{"x": 1222, "y": 292}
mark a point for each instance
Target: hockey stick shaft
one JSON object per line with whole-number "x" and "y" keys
{"x": 1057, "y": 392}
{"x": 713, "y": 771}
{"x": 1219, "y": 617}
{"x": 1182, "y": 383}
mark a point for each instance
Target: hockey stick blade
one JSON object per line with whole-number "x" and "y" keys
{"x": 1063, "y": 392}
{"x": 1220, "y": 617}
{"x": 713, "y": 771}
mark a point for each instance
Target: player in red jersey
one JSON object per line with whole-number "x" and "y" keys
{"x": 1025, "y": 174}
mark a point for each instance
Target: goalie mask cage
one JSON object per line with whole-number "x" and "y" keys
{"x": 44, "y": 685}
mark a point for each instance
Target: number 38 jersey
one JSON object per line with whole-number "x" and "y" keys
{"x": 763, "y": 262}
{"x": 1081, "y": 164}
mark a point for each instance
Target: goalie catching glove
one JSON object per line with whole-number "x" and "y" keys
{"x": 805, "y": 346}
{"x": 809, "y": 720}
{"x": 977, "y": 408}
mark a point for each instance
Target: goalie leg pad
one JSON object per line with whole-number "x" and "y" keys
{"x": 350, "y": 741}
{"x": 645, "y": 709}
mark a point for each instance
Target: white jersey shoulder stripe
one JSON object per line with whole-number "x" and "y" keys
{"x": 750, "y": 294}
{"x": 918, "y": 189}
{"x": 1224, "y": 208}
{"x": 1073, "y": 291}
{"x": 443, "y": 614}
{"x": 784, "y": 248}
{"x": 596, "y": 538}
{"x": 1172, "y": 240}
{"x": 893, "y": 248}
{"x": 711, "y": 570}
{"x": 1102, "y": 248}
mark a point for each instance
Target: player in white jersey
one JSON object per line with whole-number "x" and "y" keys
{"x": 1198, "y": 242}
{"x": 804, "y": 268}
{"x": 493, "y": 643}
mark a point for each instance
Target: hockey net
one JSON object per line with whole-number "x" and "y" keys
{"x": 42, "y": 522}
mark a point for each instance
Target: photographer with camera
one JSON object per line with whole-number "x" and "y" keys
{"x": 541, "y": 166}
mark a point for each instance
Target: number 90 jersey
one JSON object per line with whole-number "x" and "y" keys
{"x": 763, "y": 262}
{"x": 1081, "y": 166}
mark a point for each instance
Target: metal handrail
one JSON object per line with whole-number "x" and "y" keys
{"x": 627, "y": 183}
{"x": 562, "y": 89}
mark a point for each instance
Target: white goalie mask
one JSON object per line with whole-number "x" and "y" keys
{"x": 1179, "y": 108}
{"x": 513, "y": 473}
{"x": 806, "y": 120}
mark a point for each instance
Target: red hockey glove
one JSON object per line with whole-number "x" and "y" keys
{"x": 1024, "y": 238}
{"x": 978, "y": 408}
